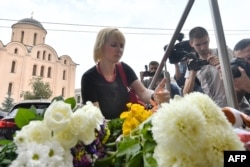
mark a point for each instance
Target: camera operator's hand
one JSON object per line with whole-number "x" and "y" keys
{"x": 213, "y": 60}
{"x": 242, "y": 82}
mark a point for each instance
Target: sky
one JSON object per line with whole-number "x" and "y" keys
{"x": 148, "y": 25}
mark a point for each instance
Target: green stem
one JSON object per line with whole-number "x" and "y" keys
{"x": 111, "y": 144}
{"x": 111, "y": 152}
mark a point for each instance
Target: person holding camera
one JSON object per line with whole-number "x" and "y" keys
{"x": 180, "y": 63}
{"x": 153, "y": 65}
{"x": 205, "y": 67}
{"x": 242, "y": 51}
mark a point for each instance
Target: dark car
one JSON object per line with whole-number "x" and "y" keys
{"x": 7, "y": 124}
{"x": 3, "y": 114}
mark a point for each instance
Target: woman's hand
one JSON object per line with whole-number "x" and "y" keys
{"x": 161, "y": 94}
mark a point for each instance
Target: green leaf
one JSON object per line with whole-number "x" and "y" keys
{"x": 7, "y": 154}
{"x": 146, "y": 131}
{"x": 4, "y": 142}
{"x": 115, "y": 127}
{"x": 128, "y": 147}
{"x": 105, "y": 162}
{"x": 136, "y": 160}
{"x": 58, "y": 98}
{"x": 149, "y": 146}
{"x": 24, "y": 116}
{"x": 72, "y": 101}
{"x": 149, "y": 161}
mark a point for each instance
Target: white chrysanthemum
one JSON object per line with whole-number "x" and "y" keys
{"x": 35, "y": 164}
{"x": 66, "y": 138}
{"x": 37, "y": 131}
{"x": 37, "y": 154}
{"x": 178, "y": 126}
{"x": 55, "y": 155}
{"x": 58, "y": 115}
{"x": 164, "y": 157}
{"x": 20, "y": 161}
{"x": 219, "y": 140}
{"x": 21, "y": 140}
{"x": 67, "y": 159}
{"x": 208, "y": 107}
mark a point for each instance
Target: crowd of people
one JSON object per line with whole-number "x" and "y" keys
{"x": 102, "y": 84}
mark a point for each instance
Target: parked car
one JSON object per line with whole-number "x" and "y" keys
{"x": 7, "y": 124}
{"x": 3, "y": 114}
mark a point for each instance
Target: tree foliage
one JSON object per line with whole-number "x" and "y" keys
{"x": 8, "y": 103}
{"x": 40, "y": 89}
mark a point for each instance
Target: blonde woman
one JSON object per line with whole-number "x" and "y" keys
{"x": 102, "y": 84}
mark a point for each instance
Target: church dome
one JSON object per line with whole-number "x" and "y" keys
{"x": 30, "y": 21}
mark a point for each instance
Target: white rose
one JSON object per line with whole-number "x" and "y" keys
{"x": 94, "y": 116}
{"x": 88, "y": 136}
{"x": 66, "y": 138}
{"x": 78, "y": 121}
{"x": 58, "y": 115}
{"x": 85, "y": 121}
{"x": 36, "y": 131}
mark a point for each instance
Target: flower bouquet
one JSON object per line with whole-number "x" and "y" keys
{"x": 188, "y": 131}
{"x": 48, "y": 141}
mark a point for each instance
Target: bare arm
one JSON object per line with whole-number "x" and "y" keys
{"x": 143, "y": 93}
{"x": 189, "y": 82}
{"x": 177, "y": 71}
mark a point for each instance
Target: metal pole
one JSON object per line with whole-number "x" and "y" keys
{"x": 223, "y": 55}
{"x": 172, "y": 41}
{"x": 167, "y": 75}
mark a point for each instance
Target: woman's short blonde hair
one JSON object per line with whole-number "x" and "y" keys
{"x": 103, "y": 37}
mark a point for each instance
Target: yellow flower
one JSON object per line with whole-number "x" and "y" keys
{"x": 135, "y": 115}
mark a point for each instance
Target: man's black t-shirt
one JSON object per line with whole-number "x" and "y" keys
{"x": 111, "y": 96}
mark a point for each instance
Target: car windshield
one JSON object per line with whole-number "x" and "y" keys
{"x": 39, "y": 111}
{"x": 39, "y": 107}
{"x": 13, "y": 113}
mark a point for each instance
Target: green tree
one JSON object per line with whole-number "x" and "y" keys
{"x": 8, "y": 103}
{"x": 40, "y": 90}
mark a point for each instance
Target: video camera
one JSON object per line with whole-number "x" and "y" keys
{"x": 239, "y": 62}
{"x": 183, "y": 52}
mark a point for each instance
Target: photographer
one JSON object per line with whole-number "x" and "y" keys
{"x": 177, "y": 58}
{"x": 242, "y": 50}
{"x": 208, "y": 75}
{"x": 153, "y": 65}
{"x": 207, "y": 70}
